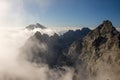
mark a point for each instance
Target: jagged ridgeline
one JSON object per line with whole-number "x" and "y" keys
{"x": 52, "y": 49}
{"x": 92, "y": 53}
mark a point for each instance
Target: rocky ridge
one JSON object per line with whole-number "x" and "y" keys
{"x": 98, "y": 52}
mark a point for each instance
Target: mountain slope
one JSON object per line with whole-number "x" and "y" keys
{"x": 51, "y": 49}
{"x": 98, "y": 52}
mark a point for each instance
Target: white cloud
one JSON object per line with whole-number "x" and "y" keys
{"x": 12, "y": 65}
{"x": 10, "y": 13}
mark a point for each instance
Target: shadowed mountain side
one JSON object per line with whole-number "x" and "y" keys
{"x": 42, "y": 48}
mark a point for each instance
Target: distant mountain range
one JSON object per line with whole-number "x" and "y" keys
{"x": 91, "y": 52}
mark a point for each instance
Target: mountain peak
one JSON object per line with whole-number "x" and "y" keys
{"x": 105, "y": 28}
{"x": 40, "y": 26}
{"x": 107, "y": 23}
{"x": 33, "y": 26}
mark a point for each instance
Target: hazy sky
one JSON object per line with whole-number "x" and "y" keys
{"x": 59, "y": 12}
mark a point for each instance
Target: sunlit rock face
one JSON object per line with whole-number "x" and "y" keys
{"x": 98, "y": 53}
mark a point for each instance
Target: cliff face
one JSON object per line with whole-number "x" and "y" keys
{"x": 98, "y": 52}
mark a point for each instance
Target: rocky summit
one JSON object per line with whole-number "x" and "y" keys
{"x": 98, "y": 53}
{"x": 34, "y": 26}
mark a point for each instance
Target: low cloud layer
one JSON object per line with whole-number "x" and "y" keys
{"x": 14, "y": 68}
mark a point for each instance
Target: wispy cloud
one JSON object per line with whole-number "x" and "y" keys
{"x": 14, "y": 13}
